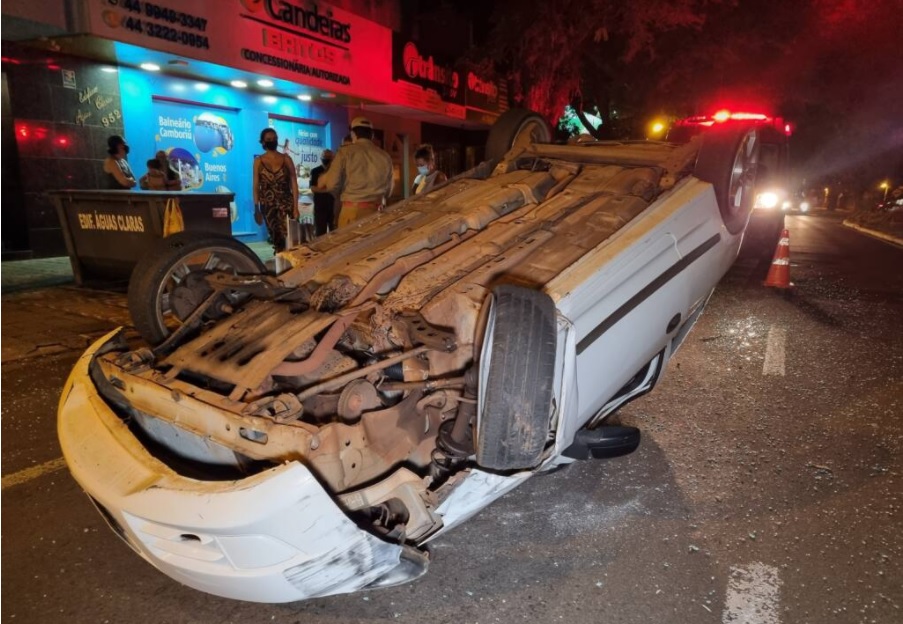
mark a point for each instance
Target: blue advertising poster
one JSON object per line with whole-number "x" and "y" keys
{"x": 200, "y": 143}
{"x": 303, "y": 141}
{"x": 211, "y": 132}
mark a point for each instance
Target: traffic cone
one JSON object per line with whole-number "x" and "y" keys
{"x": 779, "y": 273}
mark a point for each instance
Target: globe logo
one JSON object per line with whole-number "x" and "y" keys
{"x": 211, "y": 132}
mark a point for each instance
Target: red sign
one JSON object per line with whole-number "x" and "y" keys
{"x": 302, "y": 41}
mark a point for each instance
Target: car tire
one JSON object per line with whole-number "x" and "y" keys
{"x": 156, "y": 275}
{"x": 517, "y": 369}
{"x": 727, "y": 160}
{"x": 514, "y": 128}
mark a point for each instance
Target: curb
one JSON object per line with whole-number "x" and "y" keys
{"x": 888, "y": 238}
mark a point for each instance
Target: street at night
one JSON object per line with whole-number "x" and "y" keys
{"x": 452, "y": 311}
{"x": 766, "y": 488}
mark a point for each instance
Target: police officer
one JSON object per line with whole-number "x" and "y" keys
{"x": 361, "y": 175}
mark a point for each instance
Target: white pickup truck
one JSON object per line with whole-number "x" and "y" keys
{"x": 304, "y": 434}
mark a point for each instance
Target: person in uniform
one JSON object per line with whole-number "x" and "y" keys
{"x": 361, "y": 175}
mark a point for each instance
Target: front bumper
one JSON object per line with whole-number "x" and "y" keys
{"x": 276, "y": 536}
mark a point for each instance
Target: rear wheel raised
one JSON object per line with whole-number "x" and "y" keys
{"x": 517, "y": 127}
{"x": 170, "y": 283}
{"x": 517, "y": 369}
{"x": 728, "y": 159}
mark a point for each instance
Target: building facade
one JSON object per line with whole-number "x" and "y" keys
{"x": 200, "y": 79}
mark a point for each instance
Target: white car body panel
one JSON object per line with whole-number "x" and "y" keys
{"x": 639, "y": 254}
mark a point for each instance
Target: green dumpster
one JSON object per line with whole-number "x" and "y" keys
{"x": 106, "y": 232}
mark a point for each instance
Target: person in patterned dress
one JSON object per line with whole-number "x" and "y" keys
{"x": 275, "y": 189}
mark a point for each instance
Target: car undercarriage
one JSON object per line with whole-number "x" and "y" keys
{"x": 420, "y": 363}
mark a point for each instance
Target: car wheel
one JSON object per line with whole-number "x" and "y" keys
{"x": 517, "y": 127}
{"x": 728, "y": 159}
{"x": 517, "y": 368}
{"x": 169, "y": 283}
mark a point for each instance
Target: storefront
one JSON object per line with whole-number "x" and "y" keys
{"x": 211, "y": 134}
{"x": 200, "y": 80}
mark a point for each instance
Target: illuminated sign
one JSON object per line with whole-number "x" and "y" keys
{"x": 486, "y": 95}
{"x": 457, "y": 91}
{"x": 307, "y": 17}
{"x": 300, "y": 41}
{"x": 410, "y": 65}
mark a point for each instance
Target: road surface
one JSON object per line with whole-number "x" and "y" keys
{"x": 767, "y": 488}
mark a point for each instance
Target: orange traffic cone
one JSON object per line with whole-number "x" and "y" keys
{"x": 779, "y": 273}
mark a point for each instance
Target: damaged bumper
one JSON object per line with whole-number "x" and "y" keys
{"x": 276, "y": 536}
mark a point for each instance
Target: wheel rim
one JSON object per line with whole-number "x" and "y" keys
{"x": 206, "y": 259}
{"x": 532, "y": 130}
{"x": 743, "y": 175}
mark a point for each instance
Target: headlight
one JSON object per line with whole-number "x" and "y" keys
{"x": 804, "y": 206}
{"x": 767, "y": 200}
{"x": 787, "y": 205}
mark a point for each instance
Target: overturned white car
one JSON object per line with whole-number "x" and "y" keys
{"x": 305, "y": 434}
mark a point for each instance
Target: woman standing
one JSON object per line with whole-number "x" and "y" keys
{"x": 275, "y": 189}
{"x": 427, "y": 174}
{"x": 119, "y": 176}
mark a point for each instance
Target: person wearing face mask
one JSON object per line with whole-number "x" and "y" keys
{"x": 361, "y": 175}
{"x": 119, "y": 176}
{"x": 427, "y": 174}
{"x": 324, "y": 203}
{"x": 275, "y": 189}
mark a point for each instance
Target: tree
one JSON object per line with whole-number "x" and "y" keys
{"x": 548, "y": 49}
{"x": 831, "y": 66}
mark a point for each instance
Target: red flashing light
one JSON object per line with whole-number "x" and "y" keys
{"x": 53, "y": 67}
{"x": 749, "y": 116}
{"x": 62, "y": 141}
{"x": 722, "y": 115}
{"x": 23, "y": 131}
{"x": 788, "y": 130}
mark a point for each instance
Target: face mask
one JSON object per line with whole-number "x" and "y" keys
{"x": 270, "y": 145}
{"x": 423, "y": 170}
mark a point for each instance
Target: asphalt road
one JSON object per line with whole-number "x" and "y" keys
{"x": 767, "y": 489}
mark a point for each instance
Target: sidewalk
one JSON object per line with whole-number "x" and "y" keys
{"x": 44, "y": 312}
{"x": 888, "y": 226}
